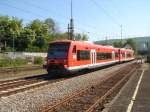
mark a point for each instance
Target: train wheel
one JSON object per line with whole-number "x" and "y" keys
{"x": 51, "y": 74}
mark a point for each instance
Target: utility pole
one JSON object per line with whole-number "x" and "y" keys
{"x": 121, "y": 33}
{"x": 71, "y": 25}
{"x": 106, "y": 40}
{"x": 68, "y": 31}
{"x": 13, "y": 45}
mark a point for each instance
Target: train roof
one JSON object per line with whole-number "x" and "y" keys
{"x": 81, "y": 43}
{"x": 86, "y": 43}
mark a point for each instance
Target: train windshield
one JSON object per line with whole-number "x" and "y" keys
{"x": 58, "y": 50}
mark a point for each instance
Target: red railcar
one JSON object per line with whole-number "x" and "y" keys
{"x": 68, "y": 56}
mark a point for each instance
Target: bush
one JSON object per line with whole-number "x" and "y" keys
{"x": 38, "y": 60}
{"x": 148, "y": 59}
{"x": 8, "y": 62}
{"x": 5, "y": 62}
{"x": 19, "y": 61}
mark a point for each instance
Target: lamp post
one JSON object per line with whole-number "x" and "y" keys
{"x": 13, "y": 44}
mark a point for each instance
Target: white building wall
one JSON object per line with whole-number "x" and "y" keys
{"x": 23, "y": 54}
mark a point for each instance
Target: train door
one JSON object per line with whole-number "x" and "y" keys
{"x": 74, "y": 54}
{"x": 93, "y": 56}
{"x": 119, "y": 51}
{"x": 113, "y": 55}
{"x": 125, "y": 56}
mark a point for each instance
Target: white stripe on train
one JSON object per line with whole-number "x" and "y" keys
{"x": 96, "y": 64}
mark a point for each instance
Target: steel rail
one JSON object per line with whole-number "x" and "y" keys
{"x": 17, "y": 84}
{"x": 15, "y": 69}
{"x": 80, "y": 92}
{"x": 109, "y": 92}
{"x": 7, "y": 93}
{"x": 27, "y": 86}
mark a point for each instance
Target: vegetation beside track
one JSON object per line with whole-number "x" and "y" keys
{"x": 20, "y": 74}
{"x": 15, "y": 69}
{"x": 9, "y": 62}
{"x": 148, "y": 59}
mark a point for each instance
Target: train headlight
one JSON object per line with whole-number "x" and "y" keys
{"x": 65, "y": 61}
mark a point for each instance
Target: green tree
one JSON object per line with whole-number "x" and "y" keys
{"x": 40, "y": 41}
{"x": 25, "y": 39}
{"x": 85, "y": 37}
{"x": 15, "y": 29}
{"x": 133, "y": 44}
{"x": 50, "y": 25}
{"x": 118, "y": 44}
{"x": 35, "y": 25}
{"x": 79, "y": 36}
{"x": 31, "y": 37}
{"x": 41, "y": 33}
{"x": 4, "y": 27}
{"x": 64, "y": 35}
{"x": 10, "y": 28}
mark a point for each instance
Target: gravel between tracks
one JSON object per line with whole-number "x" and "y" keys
{"x": 37, "y": 99}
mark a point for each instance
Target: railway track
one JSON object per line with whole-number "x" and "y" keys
{"x": 14, "y": 86}
{"x": 10, "y": 87}
{"x": 93, "y": 98}
{"x": 16, "y": 69}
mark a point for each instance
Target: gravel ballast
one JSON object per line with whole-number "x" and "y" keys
{"x": 37, "y": 99}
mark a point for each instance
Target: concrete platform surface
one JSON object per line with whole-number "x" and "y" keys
{"x": 135, "y": 95}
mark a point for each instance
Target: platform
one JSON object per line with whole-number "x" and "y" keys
{"x": 135, "y": 95}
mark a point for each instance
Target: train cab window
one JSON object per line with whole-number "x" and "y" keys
{"x": 74, "y": 49}
{"x": 58, "y": 50}
{"x": 83, "y": 55}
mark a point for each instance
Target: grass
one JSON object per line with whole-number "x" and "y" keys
{"x": 9, "y": 62}
{"x": 22, "y": 74}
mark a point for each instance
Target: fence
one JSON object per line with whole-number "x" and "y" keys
{"x": 22, "y": 54}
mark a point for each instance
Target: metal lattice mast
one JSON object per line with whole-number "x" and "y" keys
{"x": 71, "y": 25}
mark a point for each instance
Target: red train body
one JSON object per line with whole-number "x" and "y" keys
{"x": 68, "y": 56}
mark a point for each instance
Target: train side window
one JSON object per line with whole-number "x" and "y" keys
{"x": 123, "y": 54}
{"x": 83, "y": 55}
{"x": 102, "y": 56}
{"x": 74, "y": 49}
{"x": 109, "y": 55}
{"x": 129, "y": 55}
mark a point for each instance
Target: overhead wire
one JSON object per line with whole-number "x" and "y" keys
{"x": 41, "y": 16}
{"x": 105, "y": 12}
{"x": 115, "y": 6}
{"x": 48, "y": 10}
{"x": 43, "y": 8}
{"x": 23, "y": 10}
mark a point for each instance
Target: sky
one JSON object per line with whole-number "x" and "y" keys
{"x": 96, "y": 18}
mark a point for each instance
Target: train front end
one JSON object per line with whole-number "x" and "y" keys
{"x": 57, "y": 57}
